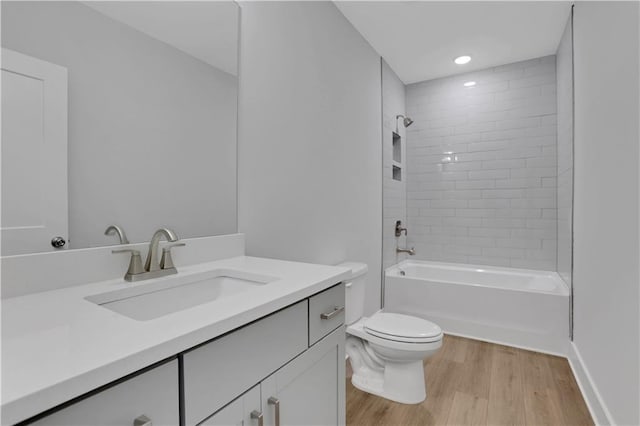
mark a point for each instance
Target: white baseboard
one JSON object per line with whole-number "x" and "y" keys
{"x": 598, "y": 409}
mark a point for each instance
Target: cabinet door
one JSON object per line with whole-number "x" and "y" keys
{"x": 223, "y": 369}
{"x": 310, "y": 390}
{"x": 153, "y": 394}
{"x": 238, "y": 412}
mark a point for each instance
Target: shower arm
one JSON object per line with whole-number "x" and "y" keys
{"x": 406, "y": 121}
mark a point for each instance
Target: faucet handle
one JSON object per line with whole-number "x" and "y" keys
{"x": 166, "y": 262}
{"x": 135, "y": 264}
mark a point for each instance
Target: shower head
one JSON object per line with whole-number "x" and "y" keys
{"x": 406, "y": 121}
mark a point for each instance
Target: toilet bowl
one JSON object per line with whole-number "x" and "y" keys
{"x": 387, "y": 350}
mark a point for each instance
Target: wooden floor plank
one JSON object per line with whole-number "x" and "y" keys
{"x": 456, "y": 349}
{"x": 476, "y": 369}
{"x": 540, "y": 408}
{"x": 477, "y": 383}
{"x": 574, "y": 409}
{"x": 467, "y": 410}
{"x": 506, "y": 403}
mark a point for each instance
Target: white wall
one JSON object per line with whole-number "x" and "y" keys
{"x": 309, "y": 177}
{"x": 606, "y": 246}
{"x": 394, "y": 191}
{"x": 564, "y": 71}
{"x": 482, "y": 166}
{"x": 152, "y": 130}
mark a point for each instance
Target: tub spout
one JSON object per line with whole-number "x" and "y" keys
{"x": 410, "y": 251}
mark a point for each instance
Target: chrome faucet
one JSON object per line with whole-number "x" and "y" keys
{"x": 410, "y": 251}
{"x": 152, "y": 264}
{"x": 115, "y": 229}
{"x": 152, "y": 268}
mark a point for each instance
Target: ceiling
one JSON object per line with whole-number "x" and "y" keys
{"x": 207, "y": 30}
{"x": 420, "y": 39}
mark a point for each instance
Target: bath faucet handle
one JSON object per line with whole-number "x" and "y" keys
{"x": 166, "y": 262}
{"x": 400, "y": 229}
{"x": 135, "y": 264}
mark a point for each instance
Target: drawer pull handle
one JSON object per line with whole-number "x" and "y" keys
{"x": 142, "y": 421}
{"x": 275, "y": 402}
{"x": 255, "y": 414}
{"x": 337, "y": 310}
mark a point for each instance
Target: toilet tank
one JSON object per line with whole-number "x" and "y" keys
{"x": 354, "y": 288}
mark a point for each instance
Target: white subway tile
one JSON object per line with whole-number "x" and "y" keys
{"x": 475, "y": 184}
{"x": 516, "y": 183}
{"x": 521, "y": 243}
{"x": 500, "y": 222}
{"x": 463, "y": 249}
{"x": 490, "y": 204}
{"x": 462, "y": 221}
{"x": 489, "y": 232}
{"x": 503, "y": 193}
{"x": 504, "y": 164}
{"x": 488, "y": 174}
{"x": 437, "y": 212}
{"x": 495, "y": 203}
{"x": 520, "y": 213}
{"x": 503, "y": 252}
{"x": 462, "y": 194}
{"x": 451, "y": 231}
{"x": 450, "y": 203}
{"x": 519, "y": 123}
{"x": 536, "y": 203}
{"x": 487, "y": 260}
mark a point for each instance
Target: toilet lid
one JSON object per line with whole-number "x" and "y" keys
{"x": 402, "y": 328}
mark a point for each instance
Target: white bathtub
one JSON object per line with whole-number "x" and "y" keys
{"x": 516, "y": 307}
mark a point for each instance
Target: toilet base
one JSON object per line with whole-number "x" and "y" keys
{"x": 403, "y": 383}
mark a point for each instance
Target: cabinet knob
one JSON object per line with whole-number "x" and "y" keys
{"x": 255, "y": 414}
{"x": 276, "y": 403}
{"x": 142, "y": 421}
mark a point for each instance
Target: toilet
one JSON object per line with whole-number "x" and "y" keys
{"x": 386, "y": 350}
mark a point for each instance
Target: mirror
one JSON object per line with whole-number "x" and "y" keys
{"x": 117, "y": 113}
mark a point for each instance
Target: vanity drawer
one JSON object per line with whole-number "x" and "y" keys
{"x": 223, "y": 369}
{"x": 153, "y": 394}
{"x": 326, "y": 312}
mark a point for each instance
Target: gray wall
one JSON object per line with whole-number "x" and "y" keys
{"x": 564, "y": 68}
{"x": 394, "y": 191}
{"x": 482, "y": 167}
{"x": 309, "y": 138}
{"x": 152, "y": 130}
{"x": 606, "y": 232}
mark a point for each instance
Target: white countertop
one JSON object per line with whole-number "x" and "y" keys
{"x": 56, "y": 345}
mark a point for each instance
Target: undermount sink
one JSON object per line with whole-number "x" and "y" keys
{"x": 172, "y": 294}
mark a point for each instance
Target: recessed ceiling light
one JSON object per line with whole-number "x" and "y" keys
{"x": 461, "y": 60}
{"x": 469, "y": 84}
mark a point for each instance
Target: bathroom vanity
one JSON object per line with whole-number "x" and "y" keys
{"x": 269, "y": 355}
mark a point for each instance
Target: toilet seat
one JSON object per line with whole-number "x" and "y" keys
{"x": 402, "y": 328}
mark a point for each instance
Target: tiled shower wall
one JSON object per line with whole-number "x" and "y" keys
{"x": 565, "y": 153}
{"x": 481, "y": 186}
{"x": 394, "y": 191}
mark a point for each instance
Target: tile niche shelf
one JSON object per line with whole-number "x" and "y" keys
{"x": 397, "y": 147}
{"x": 396, "y": 168}
{"x": 396, "y": 173}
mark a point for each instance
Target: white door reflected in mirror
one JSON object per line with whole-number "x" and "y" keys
{"x": 34, "y": 154}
